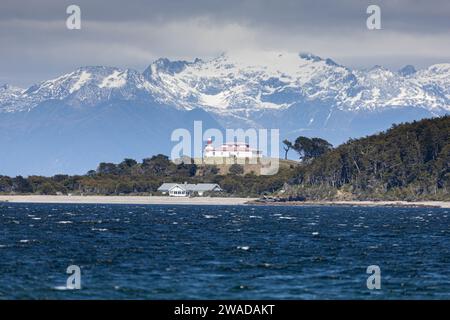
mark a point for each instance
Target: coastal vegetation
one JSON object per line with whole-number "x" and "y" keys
{"x": 407, "y": 162}
{"x": 130, "y": 177}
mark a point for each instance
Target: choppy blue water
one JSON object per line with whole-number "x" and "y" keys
{"x": 223, "y": 252}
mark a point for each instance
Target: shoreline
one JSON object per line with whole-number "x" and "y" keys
{"x": 124, "y": 200}
{"x": 164, "y": 200}
{"x": 362, "y": 203}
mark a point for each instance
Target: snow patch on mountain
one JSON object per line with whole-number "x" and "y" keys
{"x": 83, "y": 78}
{"x": 115, "y": 80}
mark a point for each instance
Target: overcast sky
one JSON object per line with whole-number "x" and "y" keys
{"x": 36, "y": 45}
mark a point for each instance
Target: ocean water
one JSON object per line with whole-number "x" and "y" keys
{"x": 223, "y": 252}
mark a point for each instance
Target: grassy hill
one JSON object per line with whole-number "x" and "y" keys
{"x": 223, "y": 165}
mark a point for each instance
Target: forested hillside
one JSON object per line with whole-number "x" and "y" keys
{"x": 409, "y": 161}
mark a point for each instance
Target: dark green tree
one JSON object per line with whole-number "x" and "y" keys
{"x": 46, "y": 189}
{"x": 60, "y": 177}
{"x": 6, "y": 184}
{"x": 310, "y": 148}
{"x": 287, "y": 146}
{"x": 126, "y": 165}
{"x": 158, "y": 165}
{"x": 107, "y": 168}
{"x": 91, "y": 173}
{"x": 21, "y": 185}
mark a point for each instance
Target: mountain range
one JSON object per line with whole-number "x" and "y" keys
{"x": 71, "y": 123}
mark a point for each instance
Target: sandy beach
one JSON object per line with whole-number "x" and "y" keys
{"x": 205, "y": 201}
{"x": 124, "y": 200}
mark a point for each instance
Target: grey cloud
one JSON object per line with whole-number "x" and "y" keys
{"x": 417, "y": 15}
{"x": 36, "y": 45}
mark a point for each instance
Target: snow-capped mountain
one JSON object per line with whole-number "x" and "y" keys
{"x": 300, "y": 94}
{"x": 243, "y": 84}
{"x": 86, "y": 85}
{"x": 239, "y": 85}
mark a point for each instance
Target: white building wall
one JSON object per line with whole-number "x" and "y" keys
{"x": 229, "y": 154}
{"x": 177, "y": 192}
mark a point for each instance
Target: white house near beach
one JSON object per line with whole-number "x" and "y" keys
{"x": 188, "y": 189}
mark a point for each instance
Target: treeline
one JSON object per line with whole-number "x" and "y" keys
{"x": 132, "y": 177}
{"x": 410, "y": 161}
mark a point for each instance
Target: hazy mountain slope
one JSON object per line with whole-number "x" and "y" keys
{"x": 54, "y": 138}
